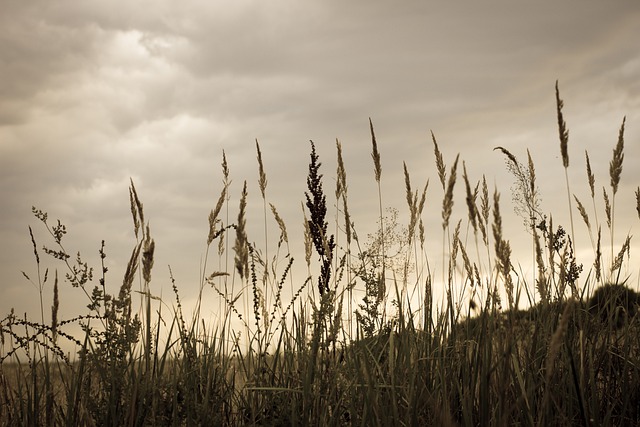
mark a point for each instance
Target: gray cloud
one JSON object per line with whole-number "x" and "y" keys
{"x": 93, "y": 93}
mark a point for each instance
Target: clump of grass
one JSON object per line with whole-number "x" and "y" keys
{"x": 297, "y": 357}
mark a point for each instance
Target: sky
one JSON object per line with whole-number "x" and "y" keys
{"x": 94, "y": 94}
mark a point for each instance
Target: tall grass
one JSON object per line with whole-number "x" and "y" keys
{"x": 313, "y": 354}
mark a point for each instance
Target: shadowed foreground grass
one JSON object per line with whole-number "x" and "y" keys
{"x": 320, "y": 353}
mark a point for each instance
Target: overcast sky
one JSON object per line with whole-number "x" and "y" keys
{"x": 95, "y": 93}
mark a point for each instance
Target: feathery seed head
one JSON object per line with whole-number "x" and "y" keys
{"x": 524, "y": 192}
{"x": 442, "y": 173}
{"x": 341, "y": 173}
{"x": 281, "y": 225}
{"x": 497, "y": 221}
{"x": 241, "y": 245}
{"x": 136, "y": 209}
{"x": 484, "y": 205}
{"x": 597, "y": 264}
{"x": 54, "y": 310}
{"x": 213, "y": 216}
{"x": 607, "y": 206}
{"x": 262, "y": 178}
{"x": 407, "y": 185}
{"x": 423, "y": 198}
{"x": 583, "y": 212}
{"x": 225, "y": 167}
{"x": 447, "y": 203}
{"x": 590, "y": 176}
{"x": 615, "y": 166}
{"x": 470, "y": 198}
{"x": 147, "y": 256}
{"x": 308, "y": 240}
{"x": 617, "y": 262}
{"x": 562, "y": 129}
{"x": 377, "y": 167}
{"x": 502, "y": 248}
{"x": 130, "y": 272}
{"x": 341, "y": 191}
{"x": 35, "y": 248}
{"x": 532, "y": 174}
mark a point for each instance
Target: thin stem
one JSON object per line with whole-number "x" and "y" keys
{"x": 566, "y": 178}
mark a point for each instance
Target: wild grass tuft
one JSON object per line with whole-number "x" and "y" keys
{"x": 369, "y": 333}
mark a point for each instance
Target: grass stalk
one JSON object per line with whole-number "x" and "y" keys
{"x": 564, "y": 143}
{"x": 615, "y": 172}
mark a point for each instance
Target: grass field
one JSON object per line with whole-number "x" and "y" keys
{"x": 319, "y": 355}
